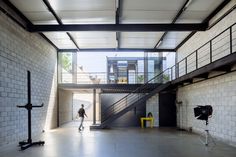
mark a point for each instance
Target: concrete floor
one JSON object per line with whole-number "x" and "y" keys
{"x": 127, "y": 142}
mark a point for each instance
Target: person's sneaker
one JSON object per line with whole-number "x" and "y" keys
{"x": 79, "y": 129}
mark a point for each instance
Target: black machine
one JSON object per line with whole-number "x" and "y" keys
{"x": 26, "y": 144}
{"x": 203, "y": 113}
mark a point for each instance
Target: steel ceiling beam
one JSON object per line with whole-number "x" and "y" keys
{"x": 16, "y": 15}
{"x": 59, "y": 21}
{"x": 117, "y": 50}
{"x": 206, "y": 20}
{"x": 183, "y": 8}
{"x": 13, "y": 13}
{"x": 118, "y": 11}
{"x": 51, "y": 10}
{"x": 120, "y": 27}
{"x": 118, "y": 14}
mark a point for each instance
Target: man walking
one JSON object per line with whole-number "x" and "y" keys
{"x": 81, "y": 113}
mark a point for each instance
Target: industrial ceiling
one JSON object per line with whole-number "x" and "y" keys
{"x": 100, "y": 25}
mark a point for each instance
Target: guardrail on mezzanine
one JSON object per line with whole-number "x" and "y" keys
{"x": 218, "y": 47}
{"x": 104, "y": 78}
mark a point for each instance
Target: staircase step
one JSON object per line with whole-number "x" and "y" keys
{"x": 95, "y": 126}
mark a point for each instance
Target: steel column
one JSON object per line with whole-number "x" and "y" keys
{"x": 94, "y": 106}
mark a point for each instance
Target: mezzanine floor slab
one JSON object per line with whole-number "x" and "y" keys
{"x": 123, "y": 142}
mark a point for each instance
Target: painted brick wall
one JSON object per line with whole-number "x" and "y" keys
{"x": 21, "y": 51}
{"x": 220, "y": 92}
{"x": 152, "y": 105}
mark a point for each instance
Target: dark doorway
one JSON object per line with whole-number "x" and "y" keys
{"x": 167, "y": 109}
{"x": 129, "y": 119}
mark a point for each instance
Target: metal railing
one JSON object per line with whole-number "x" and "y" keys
{"x": 218, "y": 47}
{"x": 103, "y": 77}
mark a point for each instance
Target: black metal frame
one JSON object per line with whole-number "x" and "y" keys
{"x": 13, "y": 13}
{"x": 26, "y": 144}
{"x": 118, "y": 14}
{"x": 59, "y": 21}
{"x": 116, "y": 50}
{"x": 120, "y": 27}
{"x": 173, "y": 21}
{"x": 111, "y": 27}
{"x": 206, "y": 20}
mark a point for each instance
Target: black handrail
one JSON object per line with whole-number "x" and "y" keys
{"x": 102, "y": 77}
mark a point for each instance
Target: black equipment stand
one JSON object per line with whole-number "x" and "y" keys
{"x": 26, "y": 144}
{"x": 208, "y": 139}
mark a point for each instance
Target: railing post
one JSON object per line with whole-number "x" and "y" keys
{"x": 171, "y": 73}
{"x": 196, "y": 59}
{"x": 210, "y": 51}
{"x": 177, "y": 70}
{"x": 230, "y": 35}
{"x": 186, "y": 70}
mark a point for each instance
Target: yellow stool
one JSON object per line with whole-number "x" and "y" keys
{"x": 151, "y": 119}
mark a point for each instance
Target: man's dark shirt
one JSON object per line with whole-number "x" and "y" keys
{"x": 81, "y": 112}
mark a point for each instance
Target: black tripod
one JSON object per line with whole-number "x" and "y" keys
{"x": 26, "y": 144}
{"x": 207, "y": 136}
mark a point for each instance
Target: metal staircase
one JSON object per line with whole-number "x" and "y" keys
{"x": 133, "y": 99}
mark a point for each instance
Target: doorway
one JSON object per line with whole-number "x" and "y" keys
{"x": 86, "y": 97}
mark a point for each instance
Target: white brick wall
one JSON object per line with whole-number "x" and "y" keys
{"x": 152, "y": 105}
{"x": 21, "y": 51}
{"x": 220, "y": 92}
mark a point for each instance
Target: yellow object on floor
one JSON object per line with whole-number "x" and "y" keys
{"x": 151, "y": 119}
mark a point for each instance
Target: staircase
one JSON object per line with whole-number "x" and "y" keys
{"x": 132, "y": 100}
